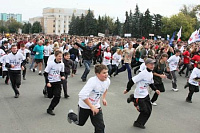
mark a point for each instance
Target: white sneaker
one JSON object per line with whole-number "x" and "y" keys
{"x": 68, "y": 119}
{"x": 31, "y": 69}
{"x": 175, "y": 90}
{"x": 154, "y": 104}
{"x": 35, "y": 69}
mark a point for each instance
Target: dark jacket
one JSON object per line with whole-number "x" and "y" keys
{"x": 68, "y": 65}
{"x": 88, "y": 52}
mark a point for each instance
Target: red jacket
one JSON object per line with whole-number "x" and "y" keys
{"x": 186, "y": 60}
{"x": 196, "y": 58}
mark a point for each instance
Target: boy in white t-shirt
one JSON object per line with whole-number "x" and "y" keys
{"x": 89, "y": 100}
{"x": 141, "y": 97}
{"x": 173, "y": 62}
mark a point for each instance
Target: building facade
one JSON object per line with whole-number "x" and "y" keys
{"x": 57, "y": 20}
{"x": 6, "y": 17}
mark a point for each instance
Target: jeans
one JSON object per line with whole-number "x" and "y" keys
{"x": 87, "y": 64}
{"x": 123, "y": 68}
{"x": 32, "y": 61}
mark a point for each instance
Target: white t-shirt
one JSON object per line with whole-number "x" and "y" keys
{"x": 24, "y": 52}
{"x": 106, "y": 61}
{"x": 116, "y": 59}
{"x": 15, "y": 60}
{"x": 51, "y": 58}
{"x": 173, "y": 62}
{"x": 195, "y": 74}
{"x": 3, "y": 61}
{"x": 28, "y": 44}
{"x": 142, "y": 80}
{"x": 142, "y": 67}
{"x": 53, "y": 69}
{"x": 93, "y": 90}
{"x": 1, "y": 53}
{"x": 47, "y": 50}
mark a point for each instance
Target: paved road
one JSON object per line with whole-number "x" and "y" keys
{"x": 27, "y": 114}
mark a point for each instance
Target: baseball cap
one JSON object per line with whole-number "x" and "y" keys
{"x": 149, "y": 61}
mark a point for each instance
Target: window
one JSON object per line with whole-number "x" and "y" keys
{"x": 59, "y": 31}
{"x": 64, "y": 21}
{"x": 58, "y": 25}
{"x": 53, "y": 31}
{"x": 54, "y": 20}
{"x": 54, "y": 25}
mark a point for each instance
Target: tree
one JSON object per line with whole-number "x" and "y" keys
{"x": 3, "y": 27}
{"x": 126, "y": 26}
{"x": 81, "y": 25}
{"x": 26, "y": 28}
{"x": 36, "y": 28}
{"x": 13, "y": 25}
{"x": 117, "y": 28}
{"x": 157, "y": 23}
{"x": 72, "y": 26}
{"x": 147, "y": 23}
{"x": 169, "y": 25}
{"x": 136, "y": 23}
{"x": 90, "y": 24}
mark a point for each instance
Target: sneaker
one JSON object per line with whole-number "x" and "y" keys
{"x": 131, "y": 98}
{"x": 40, "y": 74}
{"x": 68, "y": 117}
{"x": 136, "y": 124}
{"x": 154, "y": 104}
{"x": 33, "y": 70}
{"x": 84, "y": 80}
{"x": 49, "y": 111}
{"x": 189, "y": 101}
{"x": 24, "y": 78}
{"x": 66, "y": 96}
{"x": 175, "y": 90}
{"x": 16, "y": 95}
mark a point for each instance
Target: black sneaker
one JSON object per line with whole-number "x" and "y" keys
{"x": 50, "y": 112}
{"x": 84, "y": 80}
{"x": 33, "y": 69}
{"x": 131, "y": 98}
{"x": 180, "y": 74}
{"x": 16, "y": 95}
{"x": 189, "y": 101}
{"x": 136, "y": 124}
{"x": 66, "y": 96}
{"x": 40, "y": 74}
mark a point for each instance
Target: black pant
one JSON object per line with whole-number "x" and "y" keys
{"x": 24, "y": 72}
{"x": 187, "y": 70}
{"x": 145, "y": 110}
{"x": 192, "y": 89}
{"x": 97, "y": 120}
{"x": 45, "y": 60}
{"x": 5, "y": 74}
{"x": 64, "y": 82}
{"x": 161, "y": 88}
{"x": 54, "y": 92}
{"x": 15, "y": 78}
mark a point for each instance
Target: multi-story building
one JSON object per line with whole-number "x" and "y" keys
{"x": 6, "y": 17}
{"x": 57, "y": 20}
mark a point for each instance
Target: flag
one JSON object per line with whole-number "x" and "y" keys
{"x": 172, "y": 39}
{"x": 179, "y": 33}
{"x": 194, "y": 37}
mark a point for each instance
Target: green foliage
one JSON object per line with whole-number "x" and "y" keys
{"x": 27, "y": 28}
{"x": 36, "y": 28}
{"x": 175, "y": 22}
{"x": 13, "y": 25}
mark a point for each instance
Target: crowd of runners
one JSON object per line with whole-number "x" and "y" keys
{"x": 57, "y": 57}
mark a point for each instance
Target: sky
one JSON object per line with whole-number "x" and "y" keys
{"x": 112, "y": 8}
